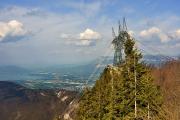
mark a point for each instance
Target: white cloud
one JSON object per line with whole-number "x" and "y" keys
{"x": 12, "y": 28}
{"x": 89, "y": 34}
{"x": 154, "y": 32}
{"x": 177, "y": 33}
{"x": 87, "y": 38}
{"x": 149, "y": 32}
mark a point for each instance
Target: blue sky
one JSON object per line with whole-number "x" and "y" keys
{"x": 46, "y": 32}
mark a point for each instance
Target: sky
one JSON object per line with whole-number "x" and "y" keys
{"x": 53, "y": 32}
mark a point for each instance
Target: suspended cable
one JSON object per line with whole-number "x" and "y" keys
{"x": 100, "y": 61}
{"x": 156, "y": 50}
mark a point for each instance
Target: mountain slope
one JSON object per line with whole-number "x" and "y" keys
{"x": 20, "y": 103}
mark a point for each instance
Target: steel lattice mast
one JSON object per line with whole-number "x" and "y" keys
{"x": 118, "y": 42}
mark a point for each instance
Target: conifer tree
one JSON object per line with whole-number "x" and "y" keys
{"x": 126, "y": 92}
{"x": 142, "y": 98}
{"x": 99, "y": 102}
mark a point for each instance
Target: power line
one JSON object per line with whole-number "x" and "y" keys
{"x": 100, "y": 61}
{"x": 156, "y": 50}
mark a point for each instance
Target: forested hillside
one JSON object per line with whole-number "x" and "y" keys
{"x": 126, "y": 91}
{"x": 168, "y": 77}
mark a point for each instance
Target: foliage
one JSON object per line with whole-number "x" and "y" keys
{"x": 114, "y": 95}
{"x": 142, "y": 90}
{"x": 168, "y": 77}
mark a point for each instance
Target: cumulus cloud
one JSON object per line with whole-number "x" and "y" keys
{"x": 87, "y": 38}
{"x": 150, "y": 32}
{"x": 11, "y": 29}
{"x": 89, "y": 34}
{"x": 154, "y": 32}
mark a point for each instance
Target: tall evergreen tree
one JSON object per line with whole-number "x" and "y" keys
{"x": 126, "y": 92}
{"x": 142, "y": 98}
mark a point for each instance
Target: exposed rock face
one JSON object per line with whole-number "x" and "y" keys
{"x": 70, "y": 112}
{"x": 20, "y": 103}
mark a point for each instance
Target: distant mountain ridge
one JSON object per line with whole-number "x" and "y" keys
{"x": 66, "y": 76}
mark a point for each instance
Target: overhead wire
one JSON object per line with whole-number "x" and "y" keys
{"x": 100, "y": 61}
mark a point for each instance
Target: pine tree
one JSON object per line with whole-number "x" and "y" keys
{"x": 142, "y": 98}
{"x": 99, "y": 102}
{"x": 126, "y": 92}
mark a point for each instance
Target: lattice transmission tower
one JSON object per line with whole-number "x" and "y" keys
{"x": 118, "y": 42}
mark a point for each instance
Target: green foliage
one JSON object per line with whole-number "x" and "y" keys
{"x": 114, "y": 94}
{"x": 146, "y": 92}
